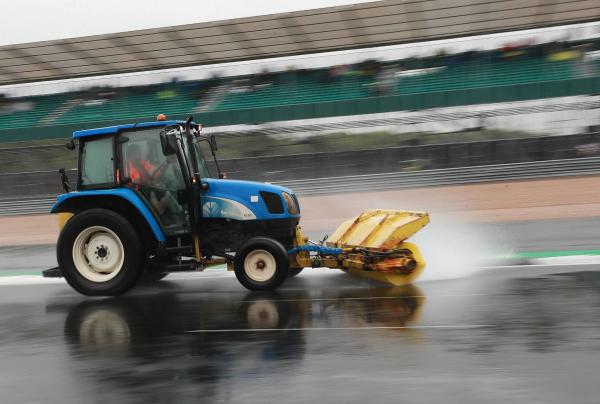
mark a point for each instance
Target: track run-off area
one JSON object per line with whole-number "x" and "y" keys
{"x": 506, "y": 311}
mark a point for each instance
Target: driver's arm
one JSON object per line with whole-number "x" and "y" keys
{"x": 149, "y": 167}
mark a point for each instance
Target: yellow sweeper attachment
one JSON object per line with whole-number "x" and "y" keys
{"x": 371, "y": 245}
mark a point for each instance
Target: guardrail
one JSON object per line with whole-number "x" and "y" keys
{"x": 332, "y": 163}
{"x": 447, "y": 176}
{"x": 385, "y": 181}
{"x": 20, "y": 206}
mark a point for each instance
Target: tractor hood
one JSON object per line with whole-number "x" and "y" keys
{"x": 247, "y": 200}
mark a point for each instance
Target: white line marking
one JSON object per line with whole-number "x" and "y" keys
{"x": 173, "y": 278}
{"x": 407, "y": 327}
{"x": 567, "y": 260}
{"x": 40, "y": 280}
{"x": 212, "y": 274}
{"x": 29, "y": 280}
{"x": 533, "y": 266}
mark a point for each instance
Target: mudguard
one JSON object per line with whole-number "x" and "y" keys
{"x": 124, "y": 193}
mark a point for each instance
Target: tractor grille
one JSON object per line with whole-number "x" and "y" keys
{"x": 273, "y": 202}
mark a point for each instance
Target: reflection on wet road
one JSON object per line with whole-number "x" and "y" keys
{"x": 495, "y": 337}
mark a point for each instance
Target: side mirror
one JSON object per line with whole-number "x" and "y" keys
{"x": 70, "y": 145}
{"x": 213, "y": 143}
{"x": 168, "y": 142}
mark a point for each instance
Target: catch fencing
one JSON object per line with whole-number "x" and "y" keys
{"x": 379, "y": 182}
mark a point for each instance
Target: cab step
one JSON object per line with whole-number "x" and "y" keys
{"x": 52, "y": 273}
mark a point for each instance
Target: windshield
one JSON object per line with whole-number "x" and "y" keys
{"x": 143, "y": 161}
{"x": 202, "y": 166}
{"x": 144, "y": 148}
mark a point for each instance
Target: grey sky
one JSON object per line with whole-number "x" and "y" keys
{"x": 38, "y": 20}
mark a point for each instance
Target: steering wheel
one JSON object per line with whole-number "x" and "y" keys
{"x": 159, "y": 170}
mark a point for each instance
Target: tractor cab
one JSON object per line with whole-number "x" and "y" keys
{"x": 152, "y": 159}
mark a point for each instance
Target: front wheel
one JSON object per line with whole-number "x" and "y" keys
{"x": 100, "y": 253}
{"x": 261, "y": 264}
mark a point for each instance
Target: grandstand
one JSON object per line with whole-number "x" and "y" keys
{"x": 470, "y": 78}
{"x": 521, "y": 73}
{"x": 445, "y": 108}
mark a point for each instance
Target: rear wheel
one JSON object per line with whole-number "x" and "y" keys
{"x": 100, "y": 253}
{"x": 261, "y": 264}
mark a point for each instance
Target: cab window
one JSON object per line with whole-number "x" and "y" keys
{"x": 156, "y": 177}
{"x": 97, "y": 167}
{"x": 145, "y": 164}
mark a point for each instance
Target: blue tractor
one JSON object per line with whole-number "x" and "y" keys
{"x": 147, "y": 205}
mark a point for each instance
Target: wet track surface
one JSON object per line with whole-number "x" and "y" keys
{"x": 541, "y": 235}
{"x": 549, "y": 235}
{"x": 510, "y": 335}
{"x": 523, "y": 334}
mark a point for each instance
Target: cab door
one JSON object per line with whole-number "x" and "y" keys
{"x": 157, "y": 178}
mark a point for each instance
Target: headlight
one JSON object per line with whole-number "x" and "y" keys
{"x": 290, "y": 204}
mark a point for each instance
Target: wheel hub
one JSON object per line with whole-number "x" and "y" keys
{"x": 101, "y": 251}
{"x": 98, "y": 254}
{"x": 260, "y": 265}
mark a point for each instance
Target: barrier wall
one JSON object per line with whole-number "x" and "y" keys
{"x": 360, "y": 162}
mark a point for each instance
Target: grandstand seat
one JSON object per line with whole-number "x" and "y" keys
{"x": 297, "y": 88}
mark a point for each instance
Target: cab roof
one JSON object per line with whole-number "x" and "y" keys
{"x": 117, "y": 128}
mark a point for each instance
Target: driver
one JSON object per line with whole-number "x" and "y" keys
{"x": 140, "y": 170}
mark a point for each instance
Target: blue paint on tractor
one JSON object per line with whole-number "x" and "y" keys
{"x": 243, "y": 191}
{"x": 246, "y": 193}
{"x": 125, "y": 193}
{"x": 118, "y": 128}
{"x": 319, "y": 249}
